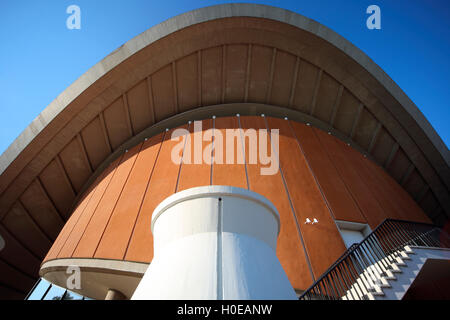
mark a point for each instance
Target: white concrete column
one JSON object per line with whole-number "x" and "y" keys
{"x": 215, "y": 242}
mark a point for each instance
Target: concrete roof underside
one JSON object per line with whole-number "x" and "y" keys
{"x": 214, "y": 60}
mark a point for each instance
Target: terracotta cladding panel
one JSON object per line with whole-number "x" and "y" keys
{"x": 194, "y": 174}
{"x": 259, "y": 77}
{"x": 323, "y": 241}
{"x": 99, "y": 221}
{"x": 100, "y": 212}
{"x": 141, "y": 115}
{"x": 290, "y": 251}
{"x": 187, "y": 82}
{"x": 19, "y": 223}
{"x": 366, "y": 201}
{"x": 95, "y": 142}
{"x": 283, "y": 77}
{"x": 340, "y": 201}
{"x": 385, "y": 198}
{"x": 162, "y": 184}
{"x": 226, "y": 174}
{"x": 236, "y": 70}
{"x": 70, "y": 224}
{"x": 212, "y": 76}
{"x": 117, "y": 235}
{"x": 320, "y": 173}
{"x": 78, "y": 230}
{"x": 406, "y": 205}
{"x": 75, "y": 163}
{"x": 57, "y": 185}
{"x": 116, "y": 123}
{"x": 41, "y": 209}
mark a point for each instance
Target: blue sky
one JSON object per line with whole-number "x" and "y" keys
{"x": 40, "y": 57}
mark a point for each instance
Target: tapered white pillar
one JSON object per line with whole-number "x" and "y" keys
{"x": 215, "y": 242}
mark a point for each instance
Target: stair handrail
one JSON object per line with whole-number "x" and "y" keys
{"x": 362, "y": 253}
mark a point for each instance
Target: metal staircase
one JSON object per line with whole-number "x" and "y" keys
{"x": 367, "y": 269}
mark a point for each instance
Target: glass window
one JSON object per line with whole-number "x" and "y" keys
{"x": 55, "y": 293}
{"x": 39, "y": 290}
{"x": 44, "y": 290}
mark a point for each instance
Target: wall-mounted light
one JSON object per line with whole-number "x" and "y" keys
{"x": 308, "y": 221}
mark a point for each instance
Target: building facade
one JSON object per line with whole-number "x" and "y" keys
{"x": 313, "y": 125}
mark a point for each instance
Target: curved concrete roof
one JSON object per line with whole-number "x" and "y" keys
{"x": 215, "y": 56}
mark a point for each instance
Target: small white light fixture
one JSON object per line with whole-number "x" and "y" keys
{"x": 262, "y": 115}
{"x": 167, "y": 129}
{"x": 315, "y": 221}
{"x": 213, "y": 117}
{"x": 285, "y": 118}
{"x": 307, "y": 221}
{"x": 308, "y": 124}
{"x": 238, "y": 115}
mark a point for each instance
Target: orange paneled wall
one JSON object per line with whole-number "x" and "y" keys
{"x": 319, "y": 177}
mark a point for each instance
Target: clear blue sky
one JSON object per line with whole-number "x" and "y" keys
{"x": 40, "y": 57}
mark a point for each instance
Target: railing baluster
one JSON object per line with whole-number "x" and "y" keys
{"x": 354, "y": 273}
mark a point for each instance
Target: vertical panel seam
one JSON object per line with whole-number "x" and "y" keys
{"x": 312, "y": 172}
{"x": 305, "y": 250}
{"x": 145, "y": 193}
{"x": 340, "y": 176}
{"x": 182, "y": 157}
{"x": 212, "y": 150}
{"x": 115, "y": 204}
{"x": 98, "y": 203}
{"x": 370, "y": 189}
{"x": 243, "y": 152}
{"x": 76, "y": 222}
{"x": 319, "y": 187}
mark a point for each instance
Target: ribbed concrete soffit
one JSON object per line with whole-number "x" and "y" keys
{"x": 233, "y": 58}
